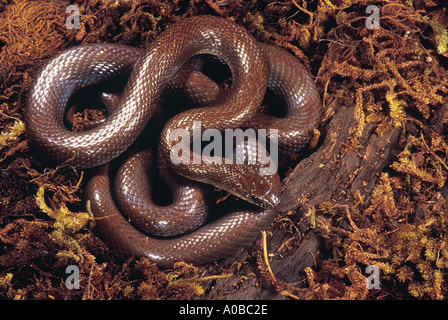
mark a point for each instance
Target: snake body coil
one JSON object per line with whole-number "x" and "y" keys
{"x": 254, "y": 67}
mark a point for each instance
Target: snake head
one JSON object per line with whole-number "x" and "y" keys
{"x": 263, "y": 191}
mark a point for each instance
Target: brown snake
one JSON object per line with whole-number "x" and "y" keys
{"x": 254, "y": 67}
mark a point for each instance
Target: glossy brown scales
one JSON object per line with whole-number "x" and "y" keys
{"x": 150, "y": 72}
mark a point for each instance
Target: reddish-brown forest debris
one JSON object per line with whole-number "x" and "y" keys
{"x": 372, "y": 192}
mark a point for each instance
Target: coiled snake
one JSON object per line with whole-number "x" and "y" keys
{"x": 254, "y": 66}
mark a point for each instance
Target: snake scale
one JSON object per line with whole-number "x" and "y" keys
{"x": 117, "y": 204}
